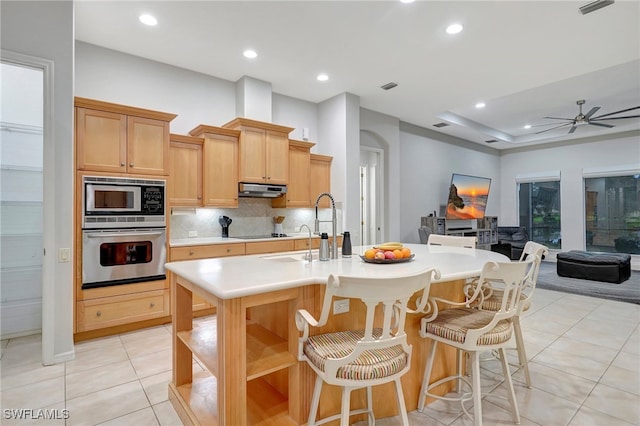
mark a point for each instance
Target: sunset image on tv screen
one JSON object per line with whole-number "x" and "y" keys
{"x": 468, "y": 197}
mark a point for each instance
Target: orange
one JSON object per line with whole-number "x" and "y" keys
{"x": 406, "y": 252}
{"x": 398, "y": 254}
{"x": 369, "y": 254}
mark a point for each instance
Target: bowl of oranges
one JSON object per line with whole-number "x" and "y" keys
{"x": 388, "y": 253}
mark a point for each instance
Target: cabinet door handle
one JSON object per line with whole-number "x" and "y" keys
{"x": 122, "y": 164}
{"x": 98, "y": 313}
{"x": 130, "y": 164}
{"x": 190, "y": 252}
{"x": 151, "y": 305}
{"x": 228, "y": 249}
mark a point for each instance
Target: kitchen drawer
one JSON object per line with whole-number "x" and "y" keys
{"x": 204, "y": 252}
{"x": 111, "y": 311}
{"x": 304, "y": 244}
{"x": 269, "y": 246}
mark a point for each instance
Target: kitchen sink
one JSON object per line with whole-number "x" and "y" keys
{"x": 291, "y": 257}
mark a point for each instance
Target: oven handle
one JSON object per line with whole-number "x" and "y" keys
{"x": 123, "y": 234}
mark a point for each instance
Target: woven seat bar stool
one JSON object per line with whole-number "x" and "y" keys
{"x": 451, "y": 241}
{"x": 490, "y": 299}
{"x": 473, "y": 331}
{"x": 362, "y": 358}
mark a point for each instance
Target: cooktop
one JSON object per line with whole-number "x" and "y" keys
{"x": 258, "y": 237}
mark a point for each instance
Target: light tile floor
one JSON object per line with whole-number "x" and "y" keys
{"x": 584, "y": 359}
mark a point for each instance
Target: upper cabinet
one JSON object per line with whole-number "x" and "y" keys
{"x": 220, "y": 165}
{"x": 263, "y": 151}
{"x": 299, "y": 189}
{"x": 185, "y": 171}
{"x": 320, "y": 178}
{"x": 121, "y": 139}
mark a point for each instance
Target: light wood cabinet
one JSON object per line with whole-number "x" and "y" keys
{"x": 122, "y": 309}
{"x": 262, "y": 151}
{"x": 220, "y": 165}
{"x": 185, "y": 171}
{"x": 121, "y": 139}
{"x": 320, "y": 178}
{"x": 299, "y": 189}
{"x": 204, "y": 252}
{"x": 275, "y": 246}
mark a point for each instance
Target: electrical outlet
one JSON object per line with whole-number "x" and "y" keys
{"x": 193, "y": 234}
{"x": 341, "y": 306}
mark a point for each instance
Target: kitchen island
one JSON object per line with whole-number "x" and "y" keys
{"x": 249, "y": 349}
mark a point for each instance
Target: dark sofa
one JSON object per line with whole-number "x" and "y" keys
{"x": 511, "y": 241}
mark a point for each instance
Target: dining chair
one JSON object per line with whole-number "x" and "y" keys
{"x": 375, "y": 352}
{"x": 452, "y": 241}
{"x": 472, "y": 331}
{"x": 490, "y": 298}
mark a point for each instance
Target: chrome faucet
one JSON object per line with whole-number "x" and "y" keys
{"x": 334, "y": 242}
{"x": 309, "y": 256}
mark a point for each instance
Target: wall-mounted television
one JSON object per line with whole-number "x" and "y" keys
{"x": 468, "y": 197}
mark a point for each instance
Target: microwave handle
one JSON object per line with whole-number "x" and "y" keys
{"x": 122, "y": 234}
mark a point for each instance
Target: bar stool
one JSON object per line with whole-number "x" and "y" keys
{"x": 490, "y": 299}
{"x": 363, "y": 358}
{"x": 473, "y": 331}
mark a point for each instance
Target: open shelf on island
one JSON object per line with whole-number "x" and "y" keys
{"x": 266, "y": 352}
{"x": 202, "y": 341}
{"x": 197, "y": 400}
{"x": 266, "y": 406}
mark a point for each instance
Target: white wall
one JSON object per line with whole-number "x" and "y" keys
{"x": 426, "y": 165}
{"x": 569, "y": 158}
{"x": 116, "y": 77}
{"x": 298, "y": 114}
{"x": 383, "y": 131}
{"x": 45, "y": 30}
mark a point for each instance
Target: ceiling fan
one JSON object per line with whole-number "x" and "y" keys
{"x": 588, "y": 118}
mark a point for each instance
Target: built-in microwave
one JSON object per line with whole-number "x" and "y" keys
{"x": 116, "y": 202}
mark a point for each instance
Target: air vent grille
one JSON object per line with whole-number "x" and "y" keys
{"x": 389, "y": 85}
{"x": 441, "y": 125}
{"x": 491, "y": 141}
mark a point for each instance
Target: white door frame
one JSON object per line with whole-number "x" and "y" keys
{"x": 378, "y": 183}
{"x": 48, "y": 198}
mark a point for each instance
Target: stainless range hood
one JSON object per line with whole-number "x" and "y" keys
{"x": 261, "y": 190}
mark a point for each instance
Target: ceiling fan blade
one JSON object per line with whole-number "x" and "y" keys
{"x": 616, "y": 112}
{"x": 591, "y": 112}
{"x": 559, "y": 118}
{"x": 601, "y": 124}
{"x": 614, "y": 118}
{"x": 557, "y": 127}
{"x": 572, "y": 129}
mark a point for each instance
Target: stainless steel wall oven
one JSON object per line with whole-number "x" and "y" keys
{"x": 124, "y": 231}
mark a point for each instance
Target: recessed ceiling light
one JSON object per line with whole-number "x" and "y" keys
{"x": 480, "y": 105}
{"x": 454, "y": 29}
{"x": 527, "y": 126}
{"x": 407, "y": 1}
{"x": 322, "y": 77}
{"x": 148, "y": 20}
{"x": 250, "y": 54}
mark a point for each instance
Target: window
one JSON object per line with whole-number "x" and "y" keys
{"x": 539, "y": 205}
{"x": 612, "y": 213}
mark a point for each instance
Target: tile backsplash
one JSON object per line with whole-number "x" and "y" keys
{"x": 254, "y": 216}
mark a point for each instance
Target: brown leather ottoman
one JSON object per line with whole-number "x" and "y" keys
{"x": 608, "y": 267}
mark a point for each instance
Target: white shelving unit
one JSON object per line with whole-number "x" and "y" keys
{"x": 485, "y": 229}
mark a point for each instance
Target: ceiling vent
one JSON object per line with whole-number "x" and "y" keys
{"x": 389, "y": 86}
{"x": 595, "y": 5}
{"x": 441, "y": 125}
{"x": 491, "y": 141}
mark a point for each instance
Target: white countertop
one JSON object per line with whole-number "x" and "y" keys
{"x": 237, "y": 276}
{"x": 181, "y": 242}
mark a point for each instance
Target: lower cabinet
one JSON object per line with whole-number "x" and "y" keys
{"x": 205, "y": 252}
{"x": 122, "y": 309}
